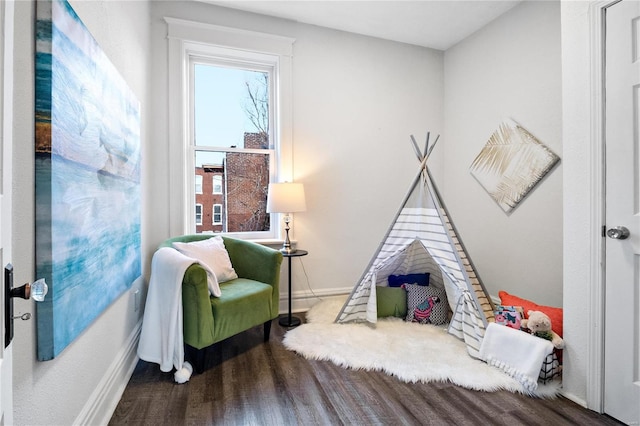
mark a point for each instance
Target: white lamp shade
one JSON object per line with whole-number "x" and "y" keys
{"x": 286, "y": 198}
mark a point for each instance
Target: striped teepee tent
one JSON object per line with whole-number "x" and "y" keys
{"x": 422, "y": 238}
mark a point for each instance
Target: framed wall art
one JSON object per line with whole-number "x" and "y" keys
{"x": 87, "y": 183}
{"x": 511, "y": 164}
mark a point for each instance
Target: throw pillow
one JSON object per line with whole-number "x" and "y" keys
{"x": 555, "y": 314}
{"x": 391, "y": 302}
{"x": 426, "y": 304}
{"x": 398, "y": 280}
{"x": 212, "y": 253}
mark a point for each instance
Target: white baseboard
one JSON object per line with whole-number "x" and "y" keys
{"x": 580, "y": 401}
{"x": 302, "y": 301}
{"x": 103, "y": 401}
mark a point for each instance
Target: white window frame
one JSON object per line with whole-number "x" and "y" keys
{"x": 188, "y": 38}
{"x": 195, "y": 213}
{"x": 215, "y": 178}
{"x": 198, "y": 184}
{"x": 213, "y": 214}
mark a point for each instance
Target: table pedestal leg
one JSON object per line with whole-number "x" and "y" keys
{"x": 289, "y": 320}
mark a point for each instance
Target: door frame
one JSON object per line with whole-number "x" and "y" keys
{"x": 596, "y": 312}
{"x": 7, "y": 13}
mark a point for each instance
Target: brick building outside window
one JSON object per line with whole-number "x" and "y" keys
{"x": 234, "y": 193}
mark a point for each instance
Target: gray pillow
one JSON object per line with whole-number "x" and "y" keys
{"x": 426, "y": 305}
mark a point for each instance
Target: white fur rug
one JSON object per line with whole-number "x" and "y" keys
{"x": 412, "y": 352}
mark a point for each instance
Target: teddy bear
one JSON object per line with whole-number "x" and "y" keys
{"x": 540, "y": 325}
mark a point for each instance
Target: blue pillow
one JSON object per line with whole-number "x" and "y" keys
{"x": 398, "y": 280}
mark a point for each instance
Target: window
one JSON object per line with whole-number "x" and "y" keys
{"x": 198, "y": 184}
{"x": 217, "y": 184}
{"x": 232, "y": 114}
{"x": 217, "y": 214}
{"x": 234, "y": 117}
{"x": 198, "y": 214}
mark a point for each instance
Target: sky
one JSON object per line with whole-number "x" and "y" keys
{"x": 220, "y": 119}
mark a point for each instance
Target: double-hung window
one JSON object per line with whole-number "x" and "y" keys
{"x": 217, "y": 214}
{"x": 198, "y": 188}
{"x": 233, "y": 108}
{"x": 234, "y": 122}
{"x": 217, "y": 184}
{"x": 198, "y": 212}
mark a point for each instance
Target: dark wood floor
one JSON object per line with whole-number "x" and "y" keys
{"x": 248, "y": 382}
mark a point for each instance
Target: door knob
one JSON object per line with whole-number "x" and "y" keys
{"x": 618, "y": 233}
{"x": 36, "y": 291}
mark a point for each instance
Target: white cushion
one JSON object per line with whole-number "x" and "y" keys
{"x": 212, "y": 253}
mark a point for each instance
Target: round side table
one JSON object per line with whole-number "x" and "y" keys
{"x": 289, "y": 320}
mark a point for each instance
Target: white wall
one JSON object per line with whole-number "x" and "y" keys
{"x": 65, "y": 389}
{"x": 510, "y": 68}
{"x": 356, "y": 101}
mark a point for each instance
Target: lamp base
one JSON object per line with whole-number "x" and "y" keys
{"x": 289, "y": 321}
{"x": 286, "y": 247}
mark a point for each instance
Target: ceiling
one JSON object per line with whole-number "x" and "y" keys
{"x": 429, "y": 23}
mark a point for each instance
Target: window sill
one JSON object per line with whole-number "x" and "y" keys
{"x": 273, "y": 243}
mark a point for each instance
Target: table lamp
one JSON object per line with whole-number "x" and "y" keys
{"x": 286, "y": 198}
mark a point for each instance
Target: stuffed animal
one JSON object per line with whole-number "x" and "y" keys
{"x": 540, "y": 325}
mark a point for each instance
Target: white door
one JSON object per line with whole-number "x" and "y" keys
{"x": 6, "y": 122}
{"x": 622, "y": 286}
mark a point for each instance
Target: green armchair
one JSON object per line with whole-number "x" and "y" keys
{"x": 247, "y": 301}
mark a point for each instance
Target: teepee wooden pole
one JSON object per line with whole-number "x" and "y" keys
{"x": 432, "y": 146}
{"x": 416, "y": 149}
{"x": 426, "y": 144}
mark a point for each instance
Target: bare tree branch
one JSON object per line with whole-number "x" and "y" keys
{"x": 256, "y": 105}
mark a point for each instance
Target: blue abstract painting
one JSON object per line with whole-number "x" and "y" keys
{"x": 87, "y": 189}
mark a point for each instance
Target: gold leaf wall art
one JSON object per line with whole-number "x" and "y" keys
{"x": 511, "y": 164}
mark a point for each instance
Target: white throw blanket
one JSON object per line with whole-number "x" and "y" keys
{"x": 517, "y": 353}
{"x": 161, "y": 338}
